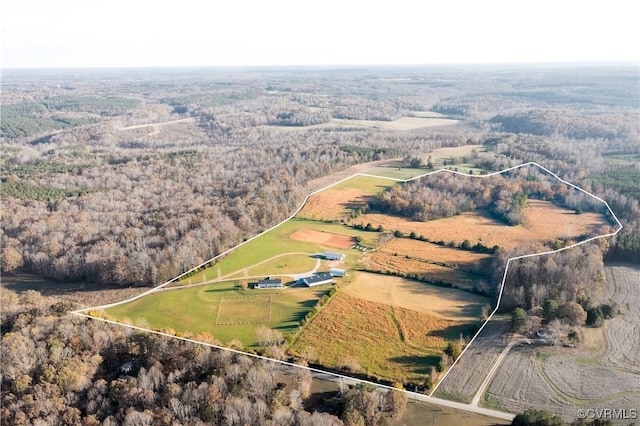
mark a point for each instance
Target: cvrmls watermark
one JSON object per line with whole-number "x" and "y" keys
{"x": 607, "y": 413}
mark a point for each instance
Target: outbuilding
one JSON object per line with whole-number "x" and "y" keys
{"x": 318, "y": 278}
{"x": 336, "y": 272}
{"x": 332, "y": 256}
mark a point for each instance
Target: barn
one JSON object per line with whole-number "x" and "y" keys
{"x": 336, "y": 272}
{"x": 269, "y": 283}
{"x": 318, "y": 278}
{"x": 332, "y": 256}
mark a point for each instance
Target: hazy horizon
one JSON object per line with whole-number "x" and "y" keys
{"x": 76, "y": 34}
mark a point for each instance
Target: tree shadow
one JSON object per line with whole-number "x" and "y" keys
{"x": 418, "y": 364}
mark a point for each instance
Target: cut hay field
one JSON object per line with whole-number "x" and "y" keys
{"x": 417, "y": 296}
{"x": 466, "y": 377}
{"x": 388, "y": 342}
{"x": 276, "y": 242}
{"x": 477, "y": 262}
{"x": 222, "y": 309}
{"x": 543, "y": 222}
{"x": 325, "y": 238}
{"x": 602, "y": 372}
{"x": 389, "y": 263}
{"x": 338, "y": 201}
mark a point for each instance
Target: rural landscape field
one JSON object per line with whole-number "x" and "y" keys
{"x": 404, "y": 245}
{"x": 414, "y": 299}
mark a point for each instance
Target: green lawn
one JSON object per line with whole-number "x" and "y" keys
{"x": 368, "y": 184}
{"x": 222, "y": 309}
{"x": 276, "y": 242}
{"x": 398, "y": 172}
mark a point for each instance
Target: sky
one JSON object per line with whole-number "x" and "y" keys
{"x": 140, "y": 33}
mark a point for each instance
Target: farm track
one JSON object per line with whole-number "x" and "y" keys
{"x": 245, "y": 271}
{"x": 599, "y": 375}
{"x": 465, "y": 378}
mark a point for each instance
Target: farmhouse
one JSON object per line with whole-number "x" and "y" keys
{"x": 269, "y": 283}
{"x": 336, "y": 272}
{"x": 318, "y": 278}
{"x": 332, "y": 256}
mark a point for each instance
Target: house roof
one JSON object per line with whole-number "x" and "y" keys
{"x": 318, "y": 277}
{"x": 333, "y": 254}
{"x": 270, "y": 281}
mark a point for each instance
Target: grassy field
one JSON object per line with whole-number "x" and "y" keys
{"x": 338, "y": 201}
{"x": 543, "y": 222}
{"x": 222, "y": 309}
{"x": 277, "y": 242}
{"x": 450, "y": 256}
{"x": 438, "y": 158}
{"x": 415, "y": 295}
{"x": 387, "y": 341}
{"x": 282, "y": 265}
{"x": 386, "y": 262}
{"x": 403, "y": 123}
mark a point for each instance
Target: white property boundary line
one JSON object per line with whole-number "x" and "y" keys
{"x": 430, "y": 398}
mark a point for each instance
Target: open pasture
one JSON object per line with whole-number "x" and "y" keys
{"x": 244, "y": 310}
{"x": 477, "y": 262}
{"x": 400, "y": 124}
{"x": 438, "y": 156}
{"x": 280, "y": 266}
{"x": 414, "y": 295}
{"x": 325, "y": 238}
{"x": 339, "y": 201}
{"x": 390, "y": 263}
{"x": 387, "y": 341}
{"x": 222, "y": 309}
{"x": 274, "y": 243}
{"x": 543, "y": 222}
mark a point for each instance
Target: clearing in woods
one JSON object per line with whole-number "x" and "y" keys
{"x": 402, "y": 123}
{"x": 543, "y": 222}
{"x": 341, "y": 200}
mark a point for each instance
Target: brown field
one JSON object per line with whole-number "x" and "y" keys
{"x": 543, "y": 222}
{"x": 324, "y": 238}
{"x": 421, "y": 297}
{"x": 338, "y": 201}
{"x": 388, "y": 342}
{"x": 622, "y": 333}
{"x": 466, "y": 377}
{"x": 386, "y": 262}
{"x": 334, "y": 203}
{"x": 602, "y": 372}
{"x": 403, "y": 123}
{"x": 436, "y": 253}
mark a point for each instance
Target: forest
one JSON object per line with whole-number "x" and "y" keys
{"x": 61, "y": 369}
{"x": 131, "y": 177}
